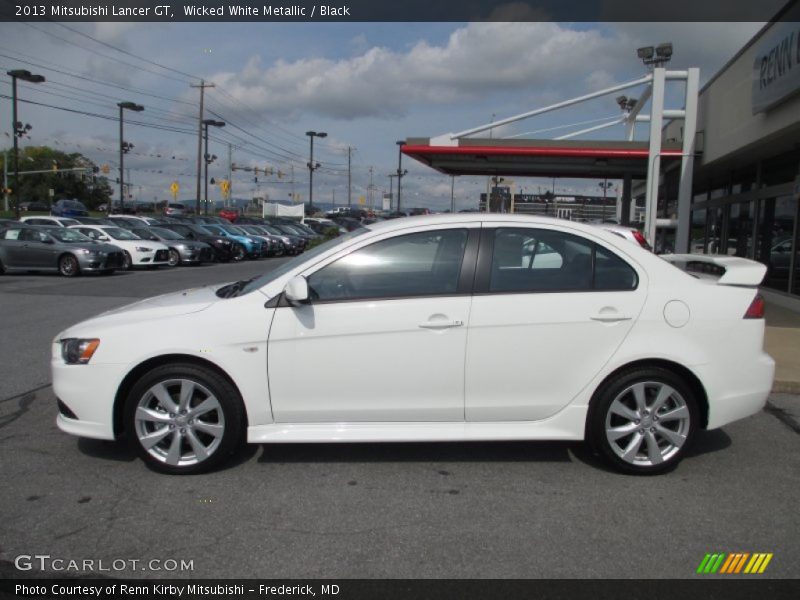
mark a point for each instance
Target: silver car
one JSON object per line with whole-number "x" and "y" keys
{"x": 67, "y": 251}
{"x": 181, "y": 250}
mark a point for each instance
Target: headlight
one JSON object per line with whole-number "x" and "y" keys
{"x": 143, "y": 249}
{"x": 76, "y": 351}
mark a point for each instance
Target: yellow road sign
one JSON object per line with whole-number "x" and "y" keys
{"x": 174, "y": 188}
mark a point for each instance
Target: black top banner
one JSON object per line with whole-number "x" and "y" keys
{"x": 398, "y": 11}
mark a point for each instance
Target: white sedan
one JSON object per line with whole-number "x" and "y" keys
{"x": 138, "y": 252}
{"x": 434, "y": 328}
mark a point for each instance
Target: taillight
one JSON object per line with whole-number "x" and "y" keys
{"x": 756, "y": 309}
{"x": 637, "y": 235}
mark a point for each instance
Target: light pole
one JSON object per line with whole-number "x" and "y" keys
{"x": 124, "y": 148}
{"x": 312, "y": 166}
{"x": 19, "y": 129}
{"x": 605, "y": 185}
{"x": 400, "y": 171}
{"x": 391, "y": 189}
{"x": 209, "y": 158}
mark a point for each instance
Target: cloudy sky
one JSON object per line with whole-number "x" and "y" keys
{"x": 365, "y": 84}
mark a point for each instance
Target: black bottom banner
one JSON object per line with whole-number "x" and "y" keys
{"x": 404, "y": 589}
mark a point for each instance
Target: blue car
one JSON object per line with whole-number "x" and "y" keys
{"x": 253, "y": 247}
{"x": 69, "y": 208}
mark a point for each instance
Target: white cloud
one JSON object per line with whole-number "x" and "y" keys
{"x": 477, "y": 60}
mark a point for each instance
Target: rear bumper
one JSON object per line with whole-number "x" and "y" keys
{"x": 737, "y": 394}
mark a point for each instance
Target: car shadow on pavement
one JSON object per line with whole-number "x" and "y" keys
{"x": 108, "y": 450}
{"x": 418, "y": 452}
{"x": 119, "y": 451}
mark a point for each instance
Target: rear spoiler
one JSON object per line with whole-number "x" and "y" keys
{"x": 734, "y": 270}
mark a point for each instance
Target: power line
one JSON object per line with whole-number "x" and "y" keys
{"x": 106, "y": 44}
{"x": 82, "y": 47}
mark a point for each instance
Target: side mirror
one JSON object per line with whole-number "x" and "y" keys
{"x": 48, "y": 241}
{"x": 103, "y": 238}
{"x": 296, "y": 291}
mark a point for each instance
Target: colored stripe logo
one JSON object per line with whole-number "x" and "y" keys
{"x": 734, "y": 563}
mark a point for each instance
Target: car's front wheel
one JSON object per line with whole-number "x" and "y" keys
{"x": 238, "y": 253}
{"x": 68, "y": 265}
{"x": 184, "y": 418}
{"x": 127, "y": 261}
{"x": 174, "y": 258}
{"x": 643, "y": 420}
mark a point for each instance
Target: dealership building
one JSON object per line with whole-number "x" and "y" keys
{"x": 747, "y": 173}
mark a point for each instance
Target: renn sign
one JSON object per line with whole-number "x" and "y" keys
{"x": 776, "y": 68}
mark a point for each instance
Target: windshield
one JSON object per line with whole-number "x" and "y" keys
{"x": 298, "y": 260}
{"x": 120, "y": 234}
{"x": 68, "y": 235}
{"x": 271, "y": 229}
{"x": 166, "y": 233}
{"x": 68, "y": 222}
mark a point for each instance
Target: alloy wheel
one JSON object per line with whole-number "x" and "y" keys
{"x": 647, "y": 423}
{"x": 68, "y": 265}
{"x": 179, "y": 422}
{"x": 174, "y": 258}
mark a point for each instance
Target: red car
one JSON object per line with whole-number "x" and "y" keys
{"x": 229, "y": 213}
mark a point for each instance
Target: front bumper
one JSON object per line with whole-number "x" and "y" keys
{"x": 88, "y": 391}
{"x": 195, "y": 255}
{"x": 100, "y": 262}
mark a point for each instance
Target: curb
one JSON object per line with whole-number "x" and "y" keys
{"x": 786, "y": 387}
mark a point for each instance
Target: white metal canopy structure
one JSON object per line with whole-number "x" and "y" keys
{"x": 460, "y": 154}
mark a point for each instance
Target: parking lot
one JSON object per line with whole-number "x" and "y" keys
{"x": 431, "y": 510}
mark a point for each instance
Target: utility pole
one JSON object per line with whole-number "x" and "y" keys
{"x": 5, "y": 180}
{"x": 349, "y": 178}
{"x": 452, "y": 193}
{"x": 371, "y": 188}
{"x": 203, "y": 85}
{"x": 227, "y": 201}
{"x": 291, "y": 169}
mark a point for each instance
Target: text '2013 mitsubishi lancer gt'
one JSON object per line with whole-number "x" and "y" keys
{"x": 463, "y": 327}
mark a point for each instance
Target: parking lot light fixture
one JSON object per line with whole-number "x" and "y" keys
{"x": 312, "y": 166}
{"x": 208, "y": 158}
{"x": 124, "y": 149}
{"x": 400, "y": 171}
{"x": 18, "y": 128}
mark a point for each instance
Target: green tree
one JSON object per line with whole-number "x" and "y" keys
{"x": 87, "y": 186}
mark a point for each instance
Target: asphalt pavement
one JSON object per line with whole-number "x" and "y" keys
{"x": 438, "y": 510}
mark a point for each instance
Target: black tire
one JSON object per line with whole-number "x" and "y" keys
{"x": 68, "y": 265}
{"x": 2, "y": 268}
{"x": 205, "y": 380}
{"x": 174, "y": 258}
{"x": 127, "y": 261}
{"x": 671, "y": 435}
{"x": 238, "y": 253}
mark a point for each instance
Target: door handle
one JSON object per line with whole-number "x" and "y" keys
{"x": 609, "y": 318}
{"x": 441, "y": 324}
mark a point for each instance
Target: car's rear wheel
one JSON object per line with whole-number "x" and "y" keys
{"x": 68, "y": 265}
{"x": 174, "y": 258}
{"x": 184, "y": 418}
{"x": 643, "y": 420}
{"x": 127, "y": 262}
{"x": 2, "y": 268}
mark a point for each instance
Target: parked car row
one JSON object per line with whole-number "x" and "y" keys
{"x": 82, "y": 244}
